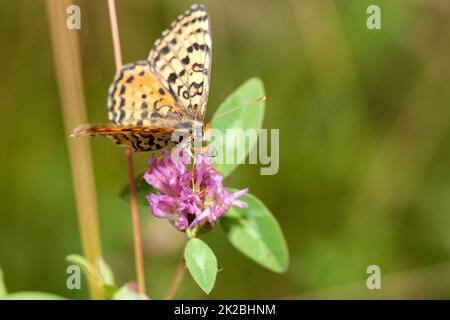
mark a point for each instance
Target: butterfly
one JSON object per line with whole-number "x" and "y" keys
{"x": 161, "y": 102}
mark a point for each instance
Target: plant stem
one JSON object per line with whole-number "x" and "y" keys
{"x": 179, "y": 273}
{"x": 115, "y": 34}
{"x": 138, "y": 252}
{"x": 67, "y": 60}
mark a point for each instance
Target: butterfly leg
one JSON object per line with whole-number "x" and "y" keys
{"x": 189, "y": 152}
{"x": 193, "y": 174}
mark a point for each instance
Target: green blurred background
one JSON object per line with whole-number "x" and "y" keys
{"x": 364, "y": 146}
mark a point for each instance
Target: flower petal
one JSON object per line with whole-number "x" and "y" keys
{"x": 240, "y": 193}
{"x": 162, "y": 206}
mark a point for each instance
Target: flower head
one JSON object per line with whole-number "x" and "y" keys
{"x": 188, "y": 199}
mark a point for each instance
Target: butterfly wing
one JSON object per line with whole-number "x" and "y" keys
{"x": 138, "y": 138}
{"x": 148, "y": 99}
{"x": 181, "y": 61}
{"x": 136, "y": 98}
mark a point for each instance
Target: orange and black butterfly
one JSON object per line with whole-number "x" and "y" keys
{"x": 161, "y": 102}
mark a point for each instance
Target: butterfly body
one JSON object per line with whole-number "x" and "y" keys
{"x": 161, "y": 102}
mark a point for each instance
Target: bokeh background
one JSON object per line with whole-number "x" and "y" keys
{"x": 364, "y": 146}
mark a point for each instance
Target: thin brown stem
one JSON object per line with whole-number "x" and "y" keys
{"x": 136, "y": 225}
{"x": 138, "y": 252}
{"x": 177, "y": 278}
{"x": 115, "y": 34}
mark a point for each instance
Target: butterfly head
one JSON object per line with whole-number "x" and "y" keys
{"x": 192, "y": 130}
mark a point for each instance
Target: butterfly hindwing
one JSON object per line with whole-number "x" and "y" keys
{"x": 181, "y": 60}
{"x": 138, "y": 138}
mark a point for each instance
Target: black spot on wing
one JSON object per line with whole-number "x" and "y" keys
{"x": 198, "y": 67}
{"x": 172, "y": 77}
{"x": 122, "y": 103}
{"x": 185, "y": 60}
{"x": 165, "y": 50}
{"x": 122, "y": 115}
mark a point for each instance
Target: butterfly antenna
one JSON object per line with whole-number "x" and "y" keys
{"x": 259, "y": 100}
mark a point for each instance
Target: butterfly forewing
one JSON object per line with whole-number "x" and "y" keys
{"x": 181, "y": 60}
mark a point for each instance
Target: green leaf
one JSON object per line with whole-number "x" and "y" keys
{"x": 249, "y": 117}
{"x": 85, "y": 265}
{"x": 128, "y": 292}
{"x": 25, "y": 295}
{"x": 109, "y": 291}
{"x": 3, "y": 291}
{"x": 30, "y": 295}
{"x": 256, "y": 233}
{"x": 201, "y": 263}
{"x": 142, "y": 190}
{"x": 104, "y": 276}
{"x": 106, "y": 273}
